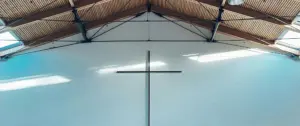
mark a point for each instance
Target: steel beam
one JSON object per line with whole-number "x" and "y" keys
{"x": 72, "y": 30}
{"x": 49, "y": 13}
{"x": 207, "y": 24}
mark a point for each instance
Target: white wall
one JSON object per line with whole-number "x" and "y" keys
{"x": 251, "y": 91}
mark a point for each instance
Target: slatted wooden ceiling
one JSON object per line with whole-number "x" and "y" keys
{"x": 14, "y": 9}
{"x": 283, "y": 8}
{"x": 100, "y": 10}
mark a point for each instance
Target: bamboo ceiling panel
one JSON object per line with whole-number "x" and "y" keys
{"x": 54, "y": 24}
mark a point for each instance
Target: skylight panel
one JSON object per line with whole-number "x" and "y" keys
{"x": 291, "y": 38}
{"x": 9, "y": 43}
{"x": 29, "y": 82}
{"x": 297, "y": 20}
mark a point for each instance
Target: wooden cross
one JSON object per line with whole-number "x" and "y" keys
{"x": 148, "y": 88}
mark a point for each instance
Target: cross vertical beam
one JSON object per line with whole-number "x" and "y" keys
{"x": 218, "y": 20}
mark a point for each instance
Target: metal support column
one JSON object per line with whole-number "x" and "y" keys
{"x": 218, "y": 20}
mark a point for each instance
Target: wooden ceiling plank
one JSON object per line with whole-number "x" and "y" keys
{"x": 73, "y": 29}
{"x": 246, "y": 11}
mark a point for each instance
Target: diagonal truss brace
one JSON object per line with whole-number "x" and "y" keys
{"x": 80, "y": 25}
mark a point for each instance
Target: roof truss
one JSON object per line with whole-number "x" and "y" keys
{"x": 248, "y": 12}
{"x": 70, "y": 30}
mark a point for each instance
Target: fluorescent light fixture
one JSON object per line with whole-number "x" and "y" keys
{"x": 235, "y": 2}
{"x": 131, "y": 67}
{"x": 228, "y": 55}
{"x": 29, "y": 82}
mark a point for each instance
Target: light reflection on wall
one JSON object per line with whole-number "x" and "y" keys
{"x": 33, "y": 81}
{"x": 227, "y": 55}
{"x": 130, "y": 67}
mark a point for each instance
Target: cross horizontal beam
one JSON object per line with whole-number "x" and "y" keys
{"x": 247, "y": 11}
{"x": 149, "y": 72}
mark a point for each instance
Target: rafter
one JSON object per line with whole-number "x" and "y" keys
{"x": 248, "y": 12}
{"x": 208, "y": 25}
{"x": 78, "y": 21}
{"x": 96, "y": 23}
{"x": 49, "y": 13}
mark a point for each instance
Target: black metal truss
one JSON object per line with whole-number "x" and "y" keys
{"x": 217, "y": 23}
{"x": 81, "y": 26}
